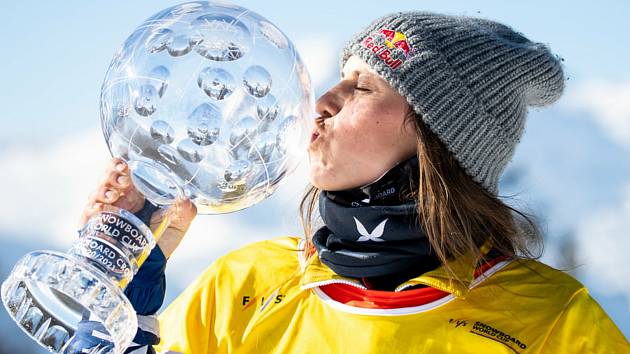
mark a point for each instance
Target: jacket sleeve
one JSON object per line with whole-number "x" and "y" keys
{"x": 148, "y": 286}
{"x": 187, "y": 324}
{"x": 146, "y": 292}
{"x": 584, "y": 327}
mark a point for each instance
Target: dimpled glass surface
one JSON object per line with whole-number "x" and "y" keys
{"x": 210, "y": 101}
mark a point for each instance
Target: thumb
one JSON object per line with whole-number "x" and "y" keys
{"x": 180, "y": 215}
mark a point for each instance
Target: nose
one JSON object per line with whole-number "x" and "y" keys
{"x": 330, "y": 103}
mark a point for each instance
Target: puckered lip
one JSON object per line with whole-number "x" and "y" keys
{"x": 318, "y": 130}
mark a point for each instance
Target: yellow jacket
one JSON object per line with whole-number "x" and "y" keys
{"x": 263, "y": 298}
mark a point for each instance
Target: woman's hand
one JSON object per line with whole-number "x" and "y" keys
{"x": 115, "y": 188}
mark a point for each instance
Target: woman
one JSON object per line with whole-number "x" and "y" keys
{"x": 416, "y": 253}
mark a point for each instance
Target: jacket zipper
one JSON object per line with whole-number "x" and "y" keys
{"x": 403, "y": 287}
{"x": 334, "y": 281}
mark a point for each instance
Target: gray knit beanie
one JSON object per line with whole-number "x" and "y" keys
{"x": 469, "y": 79}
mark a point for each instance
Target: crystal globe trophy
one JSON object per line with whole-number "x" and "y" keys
{"x": 204, "y": 100}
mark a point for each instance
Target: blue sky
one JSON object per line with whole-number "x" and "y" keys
{"x": 574, "y": 155}
{"x": 55, "y": 53}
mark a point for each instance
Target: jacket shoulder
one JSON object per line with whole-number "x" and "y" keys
{"x": 545, "y": 308}
{"x": 532, "y": 285}
{"x": 273, "y": 258}
{"x": 260, "y": 250}
{"x": 534, "y": 271}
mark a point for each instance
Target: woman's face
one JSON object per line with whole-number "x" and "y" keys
{"x": 360, "y": 133}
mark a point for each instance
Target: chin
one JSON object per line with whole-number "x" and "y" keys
{"x": 317, "y": 181}
{"x": 327, "y": 183}
{"x": 328, "y": 179}
{"x": 320, "y": 179}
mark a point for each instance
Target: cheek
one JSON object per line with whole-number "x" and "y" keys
{"x": 366, "y": 140}
{"x": 377, "y": 126}
{"x": 355, "y": 133}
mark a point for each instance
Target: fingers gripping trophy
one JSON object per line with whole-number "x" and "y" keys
{"x": 205, "y": 101}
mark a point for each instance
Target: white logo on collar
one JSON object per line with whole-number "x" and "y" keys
{"x": 370, "y": 236}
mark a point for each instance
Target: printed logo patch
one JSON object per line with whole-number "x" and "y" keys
{"x": 484, "y": 330}
{"x": 487, "y": 331}
{"x": 375, "y": 235}
{"x": 390, "y": 46}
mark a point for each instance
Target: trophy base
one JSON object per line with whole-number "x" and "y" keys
{"x": 67, "y": 305}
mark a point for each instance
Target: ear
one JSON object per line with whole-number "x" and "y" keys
{"x": 410, "y": 118}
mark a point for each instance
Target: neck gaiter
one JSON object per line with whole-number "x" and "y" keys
{"x": 373, "y": 230}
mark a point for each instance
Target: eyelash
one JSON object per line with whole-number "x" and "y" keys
{"x": 361, "y": 89}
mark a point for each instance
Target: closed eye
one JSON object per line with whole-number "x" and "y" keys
{"x": 363, "y": 83}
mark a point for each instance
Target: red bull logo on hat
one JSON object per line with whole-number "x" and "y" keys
{"x": 390, "y": 46}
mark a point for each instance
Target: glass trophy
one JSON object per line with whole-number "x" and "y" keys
{"x": 204, "y": 100}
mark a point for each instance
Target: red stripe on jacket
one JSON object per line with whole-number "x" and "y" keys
{"x": 354, "y": 296}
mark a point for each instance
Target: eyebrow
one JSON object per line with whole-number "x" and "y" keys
{"x": 352, "y": 72}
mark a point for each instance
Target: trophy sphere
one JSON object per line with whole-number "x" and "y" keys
{"x": 200, "y": 100}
